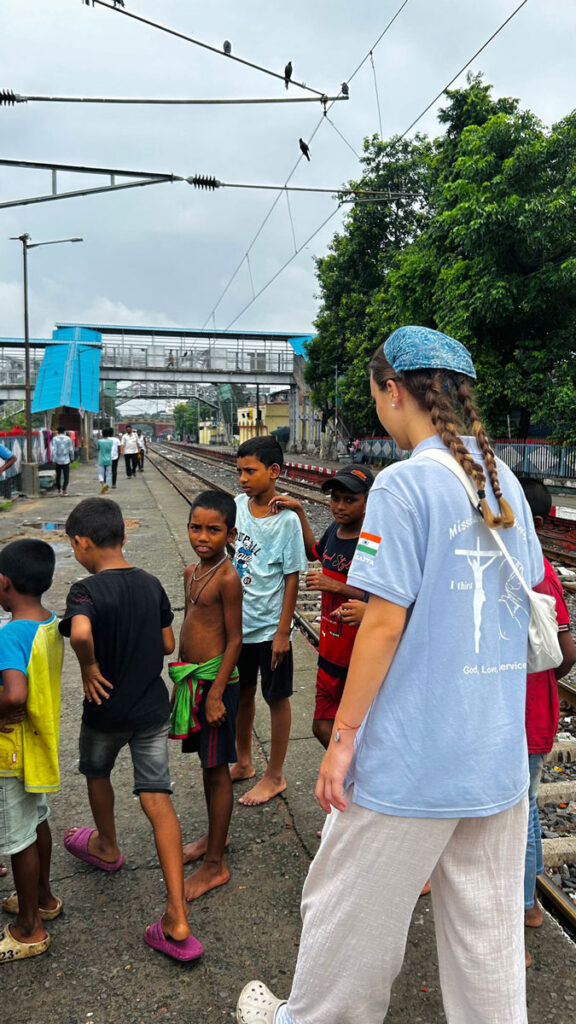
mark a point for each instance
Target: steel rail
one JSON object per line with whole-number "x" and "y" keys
{"x": 302, "y": 623}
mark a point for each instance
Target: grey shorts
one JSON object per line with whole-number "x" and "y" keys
{"x": 149, "y": 750}
{"x": 20, "y": 815}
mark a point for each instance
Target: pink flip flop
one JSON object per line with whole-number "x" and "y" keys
{"x": 77, "y": 844}
{"x": 187, "y": 949}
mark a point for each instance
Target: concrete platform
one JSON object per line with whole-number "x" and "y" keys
{"x": 98, "y": 970}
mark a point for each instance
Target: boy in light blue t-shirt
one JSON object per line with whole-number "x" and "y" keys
{"x": 269, "y": 555}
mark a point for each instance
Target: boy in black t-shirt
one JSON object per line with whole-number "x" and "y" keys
{"x": 119, "y": 624}
{"x": 342, "y": 606}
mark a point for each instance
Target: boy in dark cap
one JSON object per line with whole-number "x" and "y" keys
{"x": 342, "y": 606}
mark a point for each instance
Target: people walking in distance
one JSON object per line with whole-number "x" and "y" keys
{"x": 31, "y": 651}
{"x": 142, "y": 449}
{"x": 342, "y": 606}
{"x": 105, "y": 446}
{"x": 269, "y": 556}
{"x": 119, "y": 623}
{"x": 115, "y": 458}
{"x": 421, "y": 701}
{"x": 129, "y": 448}
{"x": 542, "y": 708}
{"x": 62, "y": 454}
{"x": 205, "y": 698}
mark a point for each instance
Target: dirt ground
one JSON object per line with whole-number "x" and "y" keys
{"x": 98, "y": 970}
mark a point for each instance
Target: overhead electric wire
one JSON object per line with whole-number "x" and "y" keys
{"x": 291, "y": 221}
{"x": 201, "y": 181}
{"x": 205, "y": 46}
{"x": 343, "y": 137}
{"x": 297, "y": 164}
{"x": 376, "y": 91}
{"x": 282, "y": 269}
{"x": 380, "y": 37}
{"x": 435, "y": 100}
{"x": 8, "y": 98}
{"x": 462, "y": 69}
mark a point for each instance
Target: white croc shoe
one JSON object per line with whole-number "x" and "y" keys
{"x": 257, "y": 1005}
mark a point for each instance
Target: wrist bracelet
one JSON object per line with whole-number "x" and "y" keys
{"x": 336, "y": 734}
{"x": 345, "y": 724}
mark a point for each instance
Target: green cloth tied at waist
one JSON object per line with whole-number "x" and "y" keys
{"x": 187, "y": 679}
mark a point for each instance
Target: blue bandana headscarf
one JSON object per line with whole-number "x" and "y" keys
{"x": 419, "y": 348}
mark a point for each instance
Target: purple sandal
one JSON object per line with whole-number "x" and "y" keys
{"x": 187, "y": 949}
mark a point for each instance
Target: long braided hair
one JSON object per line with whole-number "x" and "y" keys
{"x": 436, "y": 392}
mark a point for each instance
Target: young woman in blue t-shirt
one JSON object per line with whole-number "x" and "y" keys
{"x": 427, "y": 764}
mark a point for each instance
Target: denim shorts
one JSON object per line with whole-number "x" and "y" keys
{"x": 20, "y": 815}
{"x": 149, "y": 750}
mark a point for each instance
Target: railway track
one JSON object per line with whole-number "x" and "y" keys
{"x": 173, "y": 460}
{"x": 305, "y": 473}
{"x": 308, "y": 603}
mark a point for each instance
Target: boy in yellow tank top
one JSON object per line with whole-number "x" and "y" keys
{"x": 31, "y": 651}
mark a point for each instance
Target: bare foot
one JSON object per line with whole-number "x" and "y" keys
{"x": 209, "y": 875}
{"x": 263, "y": 791}
{"x": 426, "y": 889}
{"x": 194, "y": 851}
{"x": 240, "y": 772}
{"x": 528, "y": 958}
{"x": 533, "y": 916}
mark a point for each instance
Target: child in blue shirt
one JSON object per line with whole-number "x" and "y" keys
{"x": 31, "y": 651}
{"x": 269, "y": 555}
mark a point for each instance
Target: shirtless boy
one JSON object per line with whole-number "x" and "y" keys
{"x": 205, "y": 697}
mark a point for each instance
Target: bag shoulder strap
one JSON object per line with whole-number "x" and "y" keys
{"x": 448, "y": 460}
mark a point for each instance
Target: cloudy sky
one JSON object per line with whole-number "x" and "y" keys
{"x": 165, "y": 253}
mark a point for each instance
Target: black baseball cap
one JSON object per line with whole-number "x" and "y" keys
{"x": 354, "y": 479}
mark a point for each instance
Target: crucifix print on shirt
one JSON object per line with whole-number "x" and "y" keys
{"x": 478, "y": 560}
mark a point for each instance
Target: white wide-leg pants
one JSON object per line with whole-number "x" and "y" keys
{"x": 359, "y": 897}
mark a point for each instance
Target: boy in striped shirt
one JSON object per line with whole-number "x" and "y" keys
{"x": 342, "y": 606}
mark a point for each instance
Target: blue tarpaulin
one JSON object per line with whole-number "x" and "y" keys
{"x": 300, "y": 342}
{"x": 70, "y": 372}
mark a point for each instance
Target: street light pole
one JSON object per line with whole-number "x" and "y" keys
{"x": 26, "y": 245}
{"x": 27, "y": 382}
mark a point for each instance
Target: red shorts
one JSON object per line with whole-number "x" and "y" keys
{"x": 329, "y": 690}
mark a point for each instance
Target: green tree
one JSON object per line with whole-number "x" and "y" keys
{"x": 186, "y": 419}
{"x": 492, "y": 261}
{"x": 498, "y": 256}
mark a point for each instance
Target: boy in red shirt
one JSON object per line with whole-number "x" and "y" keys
{"x": 542, "y": 707}
{"x": 342, "y": 606}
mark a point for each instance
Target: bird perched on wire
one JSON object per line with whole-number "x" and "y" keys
{"x": 118, "y": 3}
{"x": 288, "y": 73}
{"x": 305, "y": 148}
{"x": 227, "y": 47}
{"x": 344, "y": 89}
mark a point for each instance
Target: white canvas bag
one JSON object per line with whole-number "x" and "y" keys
{"x": 543, "y": 646}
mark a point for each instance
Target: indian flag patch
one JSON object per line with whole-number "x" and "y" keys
{"x": 368, "y": 544}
